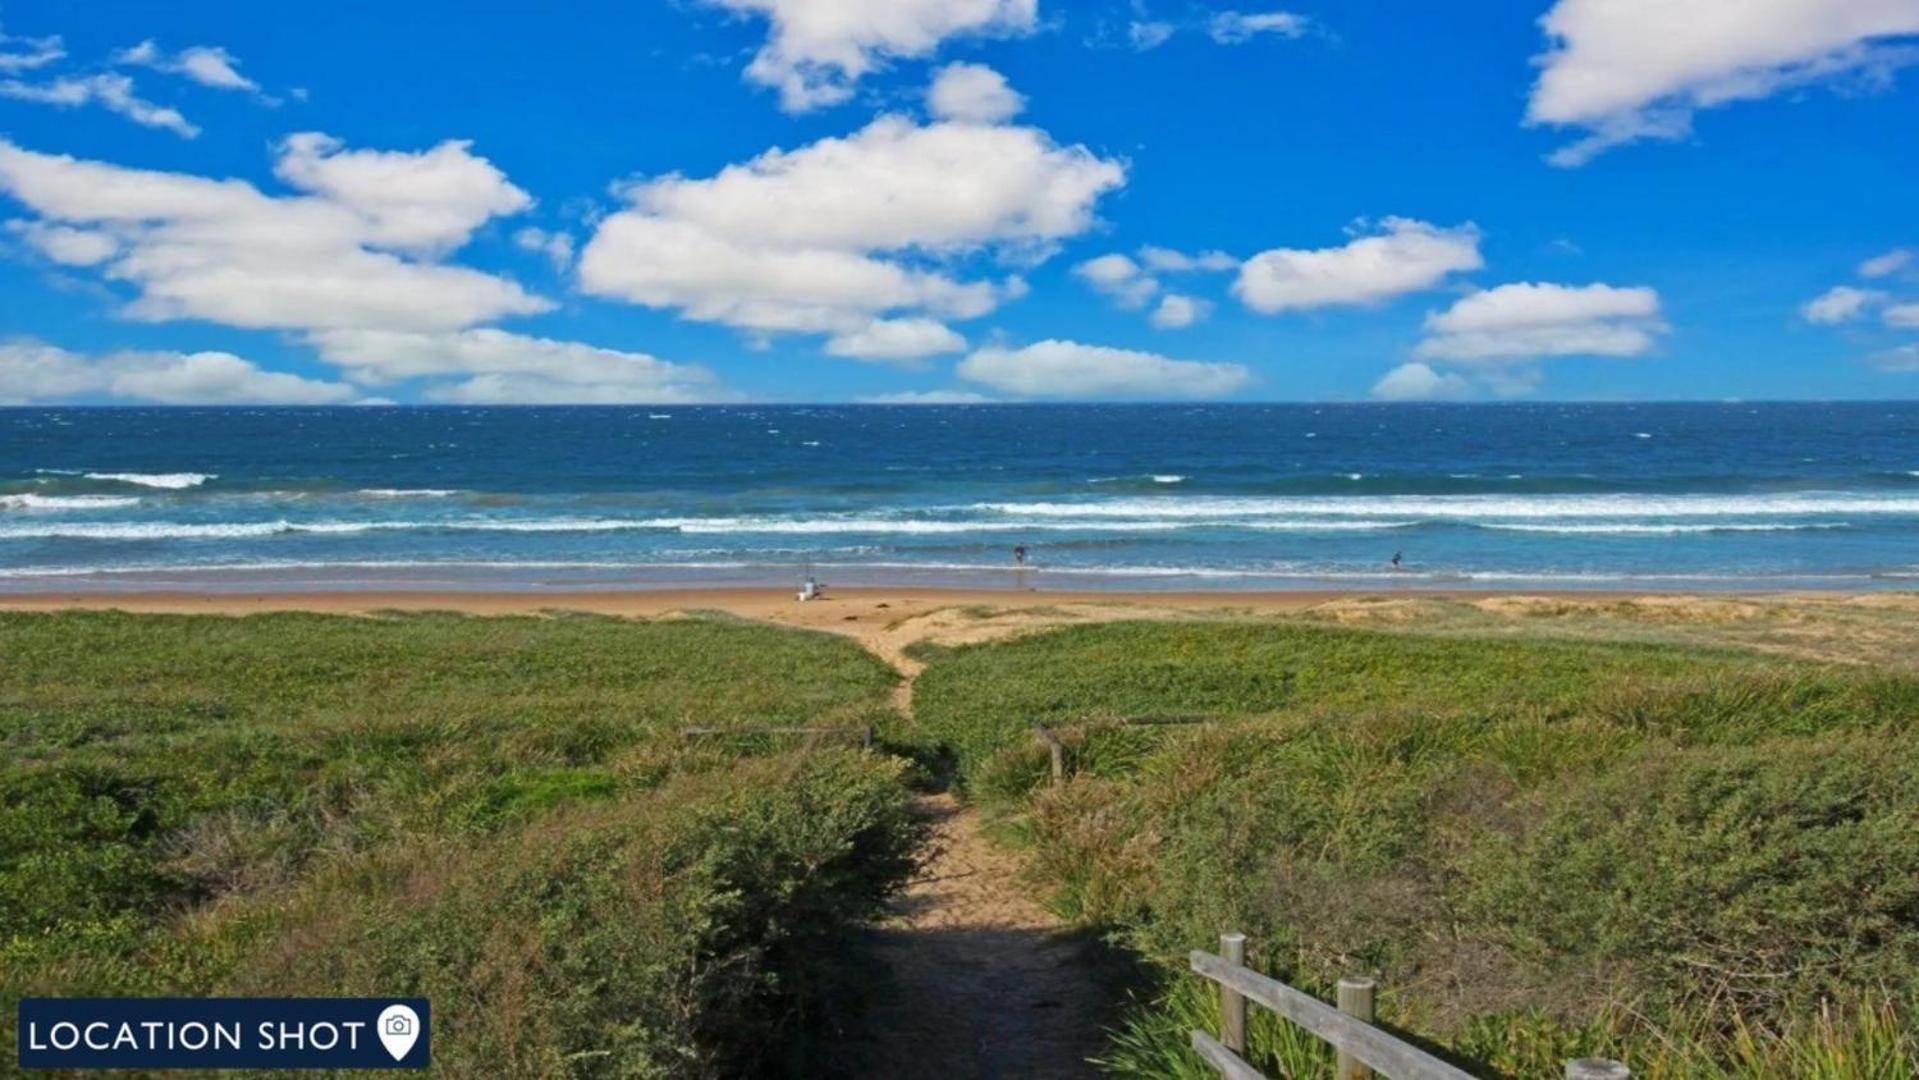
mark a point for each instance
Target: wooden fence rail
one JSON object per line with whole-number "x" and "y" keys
{"x": 1364, "y": 1050}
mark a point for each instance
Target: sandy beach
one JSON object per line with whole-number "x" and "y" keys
{"x": 772, "y": 604}
{"x": 886, "y": 620}
{"x": 883, "y": 619}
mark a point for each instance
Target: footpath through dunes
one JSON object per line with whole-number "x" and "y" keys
{"x": 978, "y": 979}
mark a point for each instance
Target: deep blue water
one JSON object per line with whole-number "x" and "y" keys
{"x": 1275, "y": 496}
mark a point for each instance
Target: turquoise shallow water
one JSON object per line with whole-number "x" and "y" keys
{"x": 1149, "y": 496}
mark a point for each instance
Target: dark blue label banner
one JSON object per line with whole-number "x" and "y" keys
{"x": 225, "y": 1033}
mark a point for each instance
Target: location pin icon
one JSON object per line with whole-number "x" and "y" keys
{"x": 399, "y": 1029}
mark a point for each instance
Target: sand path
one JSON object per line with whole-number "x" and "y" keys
{"x": 980, "y": 981}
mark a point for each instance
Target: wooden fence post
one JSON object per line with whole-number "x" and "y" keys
{"x": 1232, "y": 1003}
{"x": 1055, "y": 750}
{"x": 1597, "y": 1069}
{"x": 1356, "y": 1001}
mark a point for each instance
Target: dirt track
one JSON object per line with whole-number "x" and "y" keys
{"x": 980, "y": 980}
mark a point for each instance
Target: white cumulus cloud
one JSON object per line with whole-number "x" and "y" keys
{"x": 1146, "y": 35}
{"x": 1118, "y": 277}
{"x": 1176, "y": 311}
{"x": 34, "y": 372}
{"x": 828, "y": 237}
{"x": 1636, "y": 69}
{"x": 19, "y": 54}
{"x": 499, "y": 366}
{"x": 1168, "y": 260}
{"x": 109, "y": 90}
{"x": 426, "y": 202}
{"x": 1070, "y": 369}
{"x": 927, "y": 397}
{"x": 208, "y": 65}
{"x": 1841, "y": 303}
{"x": 64, "y": 245}
{"x": 1883, "y": 265}
{"x": 556, "y": 246}
{"x": 358, "y": 249}
{"x": 1400, "y": 256}
{"x": 1900, "y": 358}
{"x": 973, "y": 92}
{"x": 1904, "y": 316}
{"x": 1131, "y": 283}
{"x": 1418, "y": 382}
{"x": 818, "y": 50}
{"x": 1235, "y": 27}
{"x": 896, "y": 340}
{"x": 1527, "y": 321}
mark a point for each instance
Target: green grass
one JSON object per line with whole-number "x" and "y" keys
{"x": 316, "y": 805}
{"x": 1701, "y": 859}
{"x": 1679, "y": 855}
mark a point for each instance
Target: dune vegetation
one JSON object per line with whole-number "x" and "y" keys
{"x": 1546, "y": 839}
{"x": 1704, "y": 861}
{"x": 498, "y": 814}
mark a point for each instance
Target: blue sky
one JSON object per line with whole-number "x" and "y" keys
{"x": 829, "y": 200}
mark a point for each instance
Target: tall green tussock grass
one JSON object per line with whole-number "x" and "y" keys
{"x": 498, "y": 814}
{"x": 1702, "y": 861}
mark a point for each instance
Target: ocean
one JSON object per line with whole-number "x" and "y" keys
{"x": 1807, "y": 495}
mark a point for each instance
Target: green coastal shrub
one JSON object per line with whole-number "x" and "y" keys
{"x": 323, "y": 804}
{"x": 1704, "y": 861}
{"x": 1755, "y": 880}
{"x": 980, "y": 699}
{"x": 689, "y": 931}
{"x": 158, "y": 762}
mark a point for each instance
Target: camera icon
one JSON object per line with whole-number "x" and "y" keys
{"x": 399, "y": 1027}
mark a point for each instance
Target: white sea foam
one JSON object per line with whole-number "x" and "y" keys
{"x": 407, "y": 493}
{"x": 170, "y": 481}
{"x": 1464, "y": 507}
{"x": 1667, "y": 529}
{"x": 281, "y": 565}
{"x": 161, "y": 530}
{"x": 1168, "y": 478}
{"x": 998, "y": 525}
{"x": 798, "y": 526}
{"x": 67, "y": 502}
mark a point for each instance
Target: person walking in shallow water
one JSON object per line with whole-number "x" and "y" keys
{"x": 1397, "y": 561}
{"x": 1019, "y": 555}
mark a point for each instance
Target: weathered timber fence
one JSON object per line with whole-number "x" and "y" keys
{"x": 1364, "y": 1050}
{"x": 864, "y": 732}
{"x": 1056, "y": 750}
